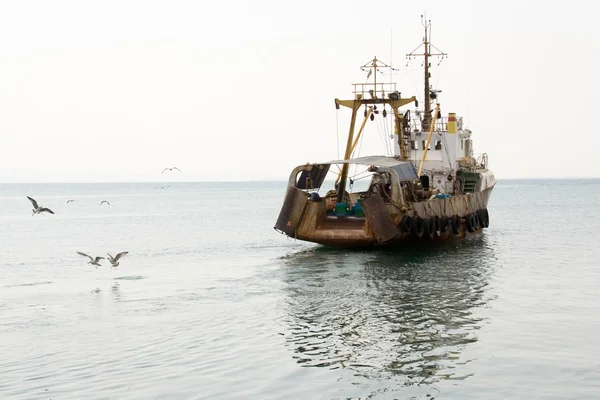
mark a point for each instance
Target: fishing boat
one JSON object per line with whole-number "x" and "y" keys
{"x": 432, "y": 188}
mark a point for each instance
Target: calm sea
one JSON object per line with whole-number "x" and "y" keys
{"x": 212, "y": 303}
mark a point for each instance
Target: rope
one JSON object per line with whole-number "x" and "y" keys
{"x": 358, "y": 153}
{"x": 412, "y": 191}
{"x": 451, "y": 207}
{"x": 391, "y": 201}
{"x": 425, "y": 209}
{"x": 431, "y": 208}
{"x": 362, "y": 177}
{"x": 382, "y": 135}
{"x": 468, "y": 203}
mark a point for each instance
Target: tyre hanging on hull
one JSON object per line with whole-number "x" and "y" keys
{"x": 477, "y": 220}
{"x": 429, "y": 228}
{"x": 437, "y": 226}
{"x": 406, "y": 224}
{"x": 444, "y": 223}
{"x": 471, "y": 222}
{"x": 418, "y": 227}
{"x": 455, "y": 224}
{"x": 485, "y": 218}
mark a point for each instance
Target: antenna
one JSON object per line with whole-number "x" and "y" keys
{"x": 429, "y": 94}
{"x": 391, "y": 59}
{"x": 391, "y": 51}
{"x": 374, "y": 66}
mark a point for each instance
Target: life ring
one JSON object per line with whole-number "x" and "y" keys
{"x": 455, "y": 223}
{"x": 444, "y": 223}
{"x": 406, "y": 224}
{"x": 418, "y": 227}
{"x": 471, "y": 222}
{"x": 437, "y": 225}
{"x": 429, "y": 228}
{"x": 485, "y": 217}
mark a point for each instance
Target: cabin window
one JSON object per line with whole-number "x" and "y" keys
{"x": 438, "y": 144}
{"x": 413, "y": 145}
{"x": 425, "y": 145}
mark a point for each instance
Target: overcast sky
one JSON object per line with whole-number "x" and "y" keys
{"x": 234, "y": 90}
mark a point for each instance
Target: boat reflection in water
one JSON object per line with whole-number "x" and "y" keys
{"x": 405, "y": 315}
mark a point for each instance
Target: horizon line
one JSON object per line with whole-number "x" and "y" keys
{"x": 262, "y": 180}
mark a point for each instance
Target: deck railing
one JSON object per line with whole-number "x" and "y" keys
{"x": 441, "y": 124}
{"x": 372, "y": 90}
{"x": 477, "y": 161}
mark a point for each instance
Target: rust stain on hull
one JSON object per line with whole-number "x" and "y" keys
{"x": 361, "y": 239}
{"x": 308, "y": 220}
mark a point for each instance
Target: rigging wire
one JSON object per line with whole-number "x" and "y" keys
{"x": 382, "y": 133}
{"x": 365, "y": 173}
{"x": 386, "y": 127}
{"x": 445, "y": 144}
{"x": 385, "y": 135}
{"x": 357, "y": 154}
{"x": 412, "y": 78}
{"x": 387, "y": 131}
{"x": 337, "y": 131}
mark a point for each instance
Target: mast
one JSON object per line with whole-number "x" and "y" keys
{"x": 368, "y": 95}
{"x": 427, "y": 117}
{"x": 349, "y": 147}
{"x": 342, "y": 184}
{"x": 428, "y": 94}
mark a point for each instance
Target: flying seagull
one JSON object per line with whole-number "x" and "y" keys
{"x": 93, "y": 261}
{"x": 115, "y": 260}
{"x": 170, "y": 169}
{"x": 104, "y": 201}
{"x": 37, "y": 209}
{"x": 70, "y": 201}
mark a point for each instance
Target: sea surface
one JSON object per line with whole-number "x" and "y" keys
{"x": 212, "y": 303}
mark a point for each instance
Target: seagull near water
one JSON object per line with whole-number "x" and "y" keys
{"x": 104, "y": 201}
{"x": 93, "y": 261}
{"x": 70, "y": 201}
{"x": 170, "y": 169}
{"x": 37, "y": 209}
{"x": 115, "y": 260}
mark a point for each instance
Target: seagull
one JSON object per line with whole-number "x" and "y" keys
{"x": 104, "y": 201}
{"x": 170, "y": 169}
{"x": 37, "y": 209}
{"x": 93, "y": 261}
{"x": 70, "y": 201}
{"x": 115, "y": 260}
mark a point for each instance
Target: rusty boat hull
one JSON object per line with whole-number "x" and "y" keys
{"x": 307, "y": 219}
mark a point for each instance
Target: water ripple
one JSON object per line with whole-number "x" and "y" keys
{"x": 130, "y": 278}
{"x": 30, "y": 284}
{"x": 403, "y": 316}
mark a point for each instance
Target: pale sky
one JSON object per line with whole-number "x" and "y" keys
{"x": 244, "y": 90}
